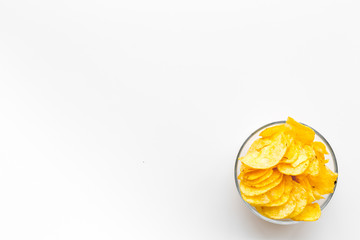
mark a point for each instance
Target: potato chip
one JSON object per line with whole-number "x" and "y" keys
{"x": 285, "y": 196}
{"x": 305, "y": 183}
{"x": 316, "y": 194}
{"x": 256, "y": 200}
{"x": 268, "y": 132}
{"x": 290, "y": 170}
{"x": 300, "y": 196}
{"x": 324, "y": 183}
{"x": 256, "y": 174}
{"x": 311, "y": 212}
{"x": 245, "y": 169}
{"x": 292, "y": 153}
{"x": 260, "y": 179}
{"x": 258, "y": 144}
{"x": 320, "y": 156}
{"x": 269, "y": 156}
{"x": 280, "y": 212}
{"x": 314, "y": 167}
{"x": 275, "y": 175}
{"x": 253, "y": 191}
{"x": 250, "y": 157}
{"x": 275, "y": 151}
{"x": 259, "y": 209}
{"x": 319, "y": 147}
{"x": 300, "y": 131}
{"x": 302, "y": 157}
{"x": 277, "y": 191}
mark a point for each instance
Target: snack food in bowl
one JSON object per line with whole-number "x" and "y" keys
{"x": 286, "y": 172}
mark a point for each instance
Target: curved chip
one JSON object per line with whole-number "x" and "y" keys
{"x": 260, "y": 179}
{"x": 270, "y": 131}
{"x": 324, "y": 182}
{"x": 275, "y": 175}
{"x": 305, "y": 184}
{"x": 314, "y": 167}
{"x": 256, "y": 200}
{"x": 311, "y": 212}
{"x": 245, "y": 169}
{"x": 256, "y": 174}
{"x": 306, "y": 153}
{"x": 302, "y": 157}
{"x": 300, "y": 131}
{"x": 280, "y": 212}
{"x": 290, "y": 170}
{"x": 285, "y": 196}
{"x": 249, "y": 157}
{"x": 300, "y": 197}
{"x": 292, "y": 153}
{"x": 277, "y": 191}
{"x": 269, "y": 156}
{"x": 319, "y": 147}
{"x": 253, "y": 191}
{"x": 275, "y": 151}
{"x": 258, "y": 144}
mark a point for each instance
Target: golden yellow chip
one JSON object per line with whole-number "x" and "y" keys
{"x": 277, "y": 191}
{"x": 292, "y": 153}
{"x": 302, "y": 157}
{"x": 275, "y": 151}
{"x": 311, "y": 212}
{"x": 253, "y": 191}
{"x": 256, "y": 174}
{"x": 314, "y": 167}
{"x": 305, "y": 183}
{"x": 324, "y": 182}
{"x": 280, "y": 212}
{"x": 285, "y": 196}
{"x": 260, "y": 179}
{"x": 269, "y": 156}
{"x": 270, "y": 131}
{"x": 250, "y": 157}
{"x": 300, "y": 131}
{"x": 319, "y": 147}
{"x": 316, "y": 194}
{"x": 275, "y": 175}
{"x": 293, "y": 171}
{"x": 320, "y": 156}
{"x": 258, "y": 144}
{"x": 300, "y": 197}
{"x": 271, "y": 195}
{"x": 245, "y": 169}
{"x": 256, "y": 200}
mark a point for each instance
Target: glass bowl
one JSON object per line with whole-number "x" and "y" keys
{"x": 332, "y": 164}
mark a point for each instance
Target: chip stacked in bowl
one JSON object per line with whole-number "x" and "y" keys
{"x": 284, "y": 173}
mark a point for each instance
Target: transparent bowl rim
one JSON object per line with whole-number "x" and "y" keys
{"x": 237, "y": 162}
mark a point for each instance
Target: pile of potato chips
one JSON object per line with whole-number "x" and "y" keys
{"x": 284, "y": 172}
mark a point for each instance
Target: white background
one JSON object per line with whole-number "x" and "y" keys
{"x": 123, "y": 119}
